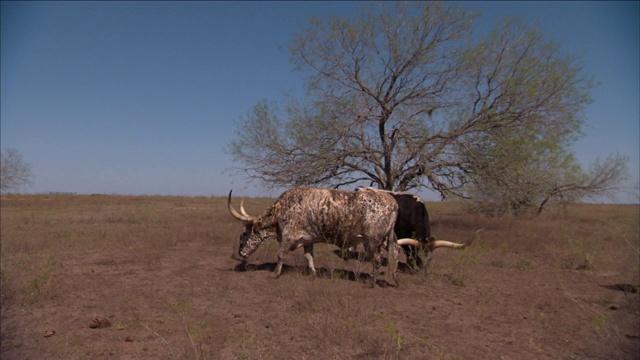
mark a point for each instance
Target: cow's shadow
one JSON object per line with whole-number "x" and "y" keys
{"x": 626, "y": 288}
{"x": 321, "y": 272}
{"x": 361, "y": 256}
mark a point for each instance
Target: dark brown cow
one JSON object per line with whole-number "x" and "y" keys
{"x": 413, "y": 222}
{"x": 301, "y": 217}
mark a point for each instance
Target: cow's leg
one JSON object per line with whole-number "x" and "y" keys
{"x": 377, "y": 261}
{"x": 352, "y": 252}
{"x": 368, "y": 252}
{"x": 308, "y": 254}
{"x": 282, "y": 253}
{"x": 429, "y": 255}
{"x": 392, "y": 261}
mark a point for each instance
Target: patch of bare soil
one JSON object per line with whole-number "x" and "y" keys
{"x": 520, "y": 292}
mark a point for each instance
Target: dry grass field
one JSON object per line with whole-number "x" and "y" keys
{"x": 123, "y": 277}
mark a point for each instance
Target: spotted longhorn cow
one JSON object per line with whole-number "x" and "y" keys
{"x": 301, "y": 217}
{"x": 413, "y": 222}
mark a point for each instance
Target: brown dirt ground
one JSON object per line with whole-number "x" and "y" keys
{"x": 159, "y": 270}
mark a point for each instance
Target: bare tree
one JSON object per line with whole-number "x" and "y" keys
{"x": 14, "y": 172}
{"x": 519, "y": 171}
{"x": 603, "y": 179}
{"x": 395, "y": 93}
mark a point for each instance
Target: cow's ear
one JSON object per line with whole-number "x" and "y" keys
{"x": 257, "y": 224}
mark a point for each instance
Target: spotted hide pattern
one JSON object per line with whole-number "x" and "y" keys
{"x": 301, "y": 217}
{"x": 412, "y": 222}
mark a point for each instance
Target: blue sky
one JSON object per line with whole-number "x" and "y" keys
{"x": 143, "y": 97}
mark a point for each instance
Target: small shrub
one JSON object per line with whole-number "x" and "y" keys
{"x": 398, "y": 339}
{"x": 523, "y": 265}
{"x": 583, "y": 250}
{"x": 599, "y": 321}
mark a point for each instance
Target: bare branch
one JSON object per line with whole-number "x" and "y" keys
{"x": 403, "y": 96}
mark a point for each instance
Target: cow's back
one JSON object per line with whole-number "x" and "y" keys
{"x": 336, "y": 214}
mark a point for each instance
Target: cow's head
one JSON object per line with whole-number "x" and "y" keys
{"x": 253, "y": 233}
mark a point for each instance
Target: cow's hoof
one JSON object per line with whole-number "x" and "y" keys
{"x": 238, "y": 257}
{"x": 381, "y": 283}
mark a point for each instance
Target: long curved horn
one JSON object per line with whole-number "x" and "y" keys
{"x": 431, "y": 245}
{"x": 244, "y": 213}
{"x": 434, "y": 244}
{"x": 443, "y": 243}
{"x": 409, "y": 241}
{"x": 242, "y": 217}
